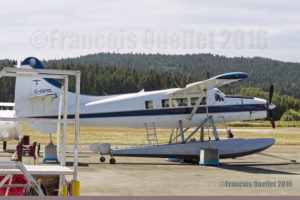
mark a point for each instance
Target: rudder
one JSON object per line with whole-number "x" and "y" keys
{"x": 37, "y": 97}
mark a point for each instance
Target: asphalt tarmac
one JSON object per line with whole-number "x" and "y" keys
{"x": 250, "y": 175}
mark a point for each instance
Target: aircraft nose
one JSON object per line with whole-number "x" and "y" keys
{"x": 272, "y": 106}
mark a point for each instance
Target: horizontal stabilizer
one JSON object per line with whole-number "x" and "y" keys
{"x": 43, "y": 96}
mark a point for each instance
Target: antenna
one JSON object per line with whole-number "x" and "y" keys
{"x": 176, "y": 84}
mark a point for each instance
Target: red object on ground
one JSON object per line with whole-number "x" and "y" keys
{"x": 28, "y": 150}
{"x": 25, "y": 149}
{"x": 26, "y": 139}
{"x": 13, "y": 191}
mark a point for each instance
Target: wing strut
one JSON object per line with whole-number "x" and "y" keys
{"x": 202, "y": 94}
{"x": 203, "y": 123}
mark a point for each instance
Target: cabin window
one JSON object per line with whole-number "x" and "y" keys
{"x": 218, "y": 97}
{"x": 179, "y": 102}
{"x": 149, "y": 104}
{"x": 195, "y": 99}
{"x": 165, "y": 103}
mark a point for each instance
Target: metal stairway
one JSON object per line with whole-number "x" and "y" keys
{"x": 151, "y": 136}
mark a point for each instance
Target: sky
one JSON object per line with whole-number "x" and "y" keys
{"x": 59, "y": 29}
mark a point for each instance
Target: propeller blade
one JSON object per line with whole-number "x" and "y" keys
{"x": 270, "y": 116}
{"x": 271, "y": 93}
{"x": 273, "y": 123}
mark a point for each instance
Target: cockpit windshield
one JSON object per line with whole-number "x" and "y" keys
{"x": 219, "y": 96}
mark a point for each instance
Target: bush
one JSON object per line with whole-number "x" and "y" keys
{"x": 290, "y": 115}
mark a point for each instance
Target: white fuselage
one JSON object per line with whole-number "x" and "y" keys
{"x": 36, "y": 97}
{"x": 129, "y": 110}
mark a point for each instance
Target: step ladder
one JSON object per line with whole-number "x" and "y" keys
{"x": 151, "y": 134}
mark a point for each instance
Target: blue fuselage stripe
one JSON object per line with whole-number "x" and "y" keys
{"x": 169, "y": 111}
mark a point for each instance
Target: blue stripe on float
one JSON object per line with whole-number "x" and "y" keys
{"x": 168, "y": 111}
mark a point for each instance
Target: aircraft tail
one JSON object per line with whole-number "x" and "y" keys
{"x": 37, "y": 97}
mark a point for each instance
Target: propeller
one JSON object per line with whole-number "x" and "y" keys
{"x": 271, "y": 106}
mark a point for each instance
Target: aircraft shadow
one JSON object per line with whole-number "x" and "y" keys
{"x": 70, "y": 164}
{"x": 80, "y": 164}
{"x": 146, "y": 163}
{"x": 258, "y": 168}
{"x": 254, "y": 168}
{"x": 79, "y": 156}
{"x": 8, "y": 151}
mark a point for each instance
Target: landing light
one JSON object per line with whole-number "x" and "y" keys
{"x": 262, "y": 106}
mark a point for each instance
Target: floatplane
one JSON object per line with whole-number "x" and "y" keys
{"x": 197, "y": 105}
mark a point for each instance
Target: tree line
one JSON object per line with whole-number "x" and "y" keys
{"x": 262, "y": 72}
{"x": 109, "y": 80}
{"x": 107, "y": 73}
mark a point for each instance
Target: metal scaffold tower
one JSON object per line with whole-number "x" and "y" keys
{"x": 61, "y": 122}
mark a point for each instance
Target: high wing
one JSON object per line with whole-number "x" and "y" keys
{"x": 201, "y": 87}
{"x": 217, "y": 81}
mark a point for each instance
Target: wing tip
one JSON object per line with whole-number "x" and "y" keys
{"x": 233, "y": 75}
